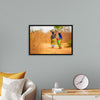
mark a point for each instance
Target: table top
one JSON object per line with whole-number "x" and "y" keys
{"x": 72, "y": 92}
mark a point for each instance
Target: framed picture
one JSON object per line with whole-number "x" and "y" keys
{"x": 50, "y": 39}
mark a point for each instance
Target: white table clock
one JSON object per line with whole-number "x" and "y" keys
{"x": 81, "y": 81}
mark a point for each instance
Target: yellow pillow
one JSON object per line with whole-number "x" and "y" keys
{"x": 10, "y": 75}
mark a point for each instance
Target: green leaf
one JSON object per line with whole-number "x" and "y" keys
{"x": 58, "y": 27}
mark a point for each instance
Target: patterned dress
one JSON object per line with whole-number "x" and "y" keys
{"x": 59, "y": 40}
{"x": 53, "y": 42}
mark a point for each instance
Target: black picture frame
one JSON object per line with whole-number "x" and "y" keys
{"x": 51, "y": 25}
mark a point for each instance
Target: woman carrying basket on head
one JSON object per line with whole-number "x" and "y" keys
{"x": 59, "y": 40}
{"x": 53, "y": 36}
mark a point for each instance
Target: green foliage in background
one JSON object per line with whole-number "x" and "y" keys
{"x": 69, "y": 44}
{"x": 58, "y": 27}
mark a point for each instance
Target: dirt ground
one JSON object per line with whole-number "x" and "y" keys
{"x": 40, "y": 43}
{"x": 47, "y": 49}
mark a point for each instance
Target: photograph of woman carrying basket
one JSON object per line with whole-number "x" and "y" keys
{"x": 51, "y": 39}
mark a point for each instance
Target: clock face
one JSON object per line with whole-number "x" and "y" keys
{"x": 81, "y": 81}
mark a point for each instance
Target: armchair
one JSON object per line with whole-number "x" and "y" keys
{"x": 29, "y": 90}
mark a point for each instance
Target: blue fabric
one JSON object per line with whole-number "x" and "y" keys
{"x": 60, "y": 36}
{"x": 52, "y": 45}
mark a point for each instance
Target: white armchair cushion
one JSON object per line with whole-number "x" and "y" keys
{"x": 12, "y": 89}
